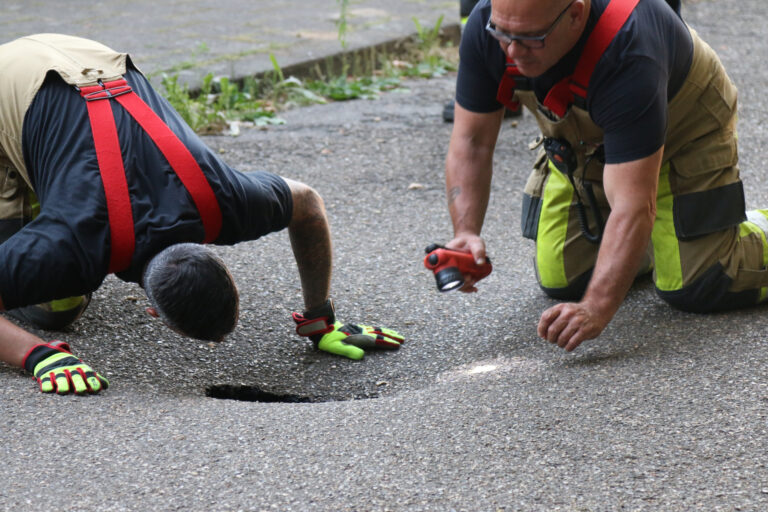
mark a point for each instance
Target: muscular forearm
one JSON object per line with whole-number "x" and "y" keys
{"x": 468, "y": 186}
{"x": 15, "y": 343}
{"x": 631, "y": 190}
{"x": 622, "y": 250}
{"x": 311, "y": 243}
{"x": 469, "y": 167}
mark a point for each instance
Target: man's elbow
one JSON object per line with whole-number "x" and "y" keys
{"x": 632, "y": 217}
{"x": 649, "y": 213}
{"x": 308, "y": 205}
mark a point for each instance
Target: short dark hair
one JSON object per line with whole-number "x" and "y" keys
{"x": 192, "y": 291}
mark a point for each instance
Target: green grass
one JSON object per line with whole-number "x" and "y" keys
{"x": 219, "y": 102}
{"x": 350, "y": 88}
{"x": 222, "y": 102}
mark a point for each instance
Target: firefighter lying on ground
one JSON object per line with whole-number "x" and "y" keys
{"x": 99, "y": 175}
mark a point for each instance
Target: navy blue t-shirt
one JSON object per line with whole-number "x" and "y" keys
{"x": 65, "y": 250}
{"x": 640, "y": 71}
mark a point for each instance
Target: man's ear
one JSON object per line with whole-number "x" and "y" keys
{"x": 152, "y": 312}
{"x": 577, "y": 13}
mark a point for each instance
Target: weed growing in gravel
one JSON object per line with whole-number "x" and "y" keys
{"x": 221, "y": 104}
{"x": 343, "y": 88}
{"x": 342, "y": 23}
{"x": 432, "y": 59}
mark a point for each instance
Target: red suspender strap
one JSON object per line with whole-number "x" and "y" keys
{"x": 506, "y": 90}
{"x": 181, "y": 160}
{"x": 110, "y": 162}
{"x": 561, "y": 96}
{"x": 113, "y": 173}
{"x": 609, "y": 24}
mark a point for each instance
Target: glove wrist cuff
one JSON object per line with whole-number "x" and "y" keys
{"x": 316, "y": 322}
{"x": 42, "y": 351}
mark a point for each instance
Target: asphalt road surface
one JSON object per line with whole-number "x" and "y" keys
{"x": 665, "y": 411}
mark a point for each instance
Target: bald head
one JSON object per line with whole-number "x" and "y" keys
{"x": 533, "y": 12}
{"x": 562, "y": 21}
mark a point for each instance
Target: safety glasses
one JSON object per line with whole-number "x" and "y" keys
{"x": 532, "y": 42}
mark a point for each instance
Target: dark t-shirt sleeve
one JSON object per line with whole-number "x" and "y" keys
{"x": 43, "y": 262}
{"x": 633, "y": 119}
{"x": 481, "y": 64}
{"x": 634, "y": 81}
{"x": 262, "y": 204}
{"x": 637, "y": 76}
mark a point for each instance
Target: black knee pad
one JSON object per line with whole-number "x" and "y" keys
{"x": 44, "y": 317}
{"x": 709, "y": 293}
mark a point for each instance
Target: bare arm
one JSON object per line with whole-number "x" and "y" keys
{"x": 15, "y": 342}
{"x": 468, "y": 172}
{"x": 631, "y": 190}
{"x": 311, "y": 243}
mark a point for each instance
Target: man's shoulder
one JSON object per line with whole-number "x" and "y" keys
{"x": 653, "y": 33}
{"x": 477, "y": 20}
{"x": 476, "y": 44}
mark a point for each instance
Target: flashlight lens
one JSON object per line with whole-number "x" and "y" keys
{"x": 452, "y": 285}
{"x": 449, "y": 279}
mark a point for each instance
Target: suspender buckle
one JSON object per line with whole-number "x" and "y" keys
{"x": 105, "y": 91}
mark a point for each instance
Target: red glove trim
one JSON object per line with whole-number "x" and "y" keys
{"x": 312, "y": 326}
{"x": 54, "y": 344}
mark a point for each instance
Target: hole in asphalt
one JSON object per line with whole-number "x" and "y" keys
{"x": 256, "y": 394}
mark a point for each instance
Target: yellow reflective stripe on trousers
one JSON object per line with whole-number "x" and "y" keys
{"x": 666, "y": 247}
{"x": 553, "y": 228}
{"x": 66, "y": 304}
{"x": 757, "y": 222}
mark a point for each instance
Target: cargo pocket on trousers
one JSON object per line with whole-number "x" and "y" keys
{"x": 534, "y": 189}
{"x": 747, "y": 279}
{"x": 530, "y": 217}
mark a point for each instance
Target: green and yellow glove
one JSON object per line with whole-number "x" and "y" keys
{"x": 56, "y": 369}
{"x": 346, "y": 340}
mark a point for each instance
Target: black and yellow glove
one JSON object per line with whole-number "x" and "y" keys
{"x": 347, "y": 340}
{"x": 56, "y": 369}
